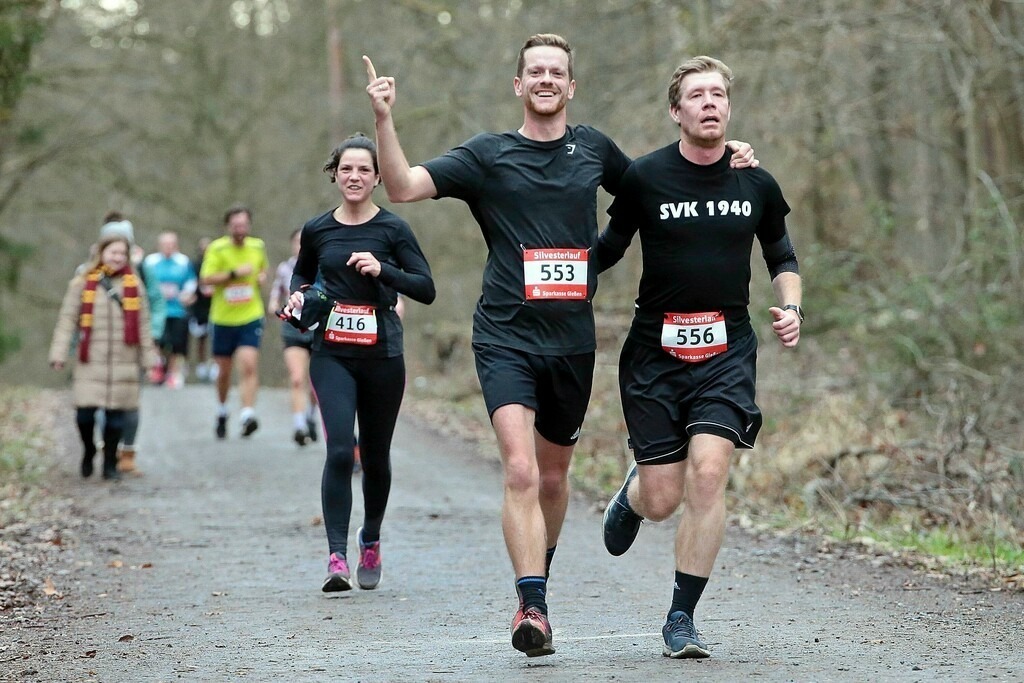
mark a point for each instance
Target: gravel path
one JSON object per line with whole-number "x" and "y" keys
{"x": 208, "y": 568}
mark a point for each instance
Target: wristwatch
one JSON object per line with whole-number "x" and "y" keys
{"x": 795, "y": 307}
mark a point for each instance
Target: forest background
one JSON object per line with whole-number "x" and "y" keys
{"x": 895, "y": 128}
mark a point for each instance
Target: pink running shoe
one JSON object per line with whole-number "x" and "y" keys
{"x": 531, "y": 632}
{"x": 369, "y": 571}
{"x": 338, "y": 577}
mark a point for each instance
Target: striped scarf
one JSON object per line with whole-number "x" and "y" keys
{"x": 129, "y": 303}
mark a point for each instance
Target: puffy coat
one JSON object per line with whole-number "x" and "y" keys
{"x": 111, "y": 377}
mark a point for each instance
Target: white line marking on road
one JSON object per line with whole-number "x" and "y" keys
{"x": 563, "y": 638}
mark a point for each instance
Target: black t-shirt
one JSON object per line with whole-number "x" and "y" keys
{"x": 526, "y": 196}
{"x": 697, "y": 226}
{"x": 325, "y": 247}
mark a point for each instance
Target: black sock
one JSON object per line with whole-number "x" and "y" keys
{"x": 531, "y": 590}
{"x": 368, "y": 537}
{"x": 686, "y": 592}
{"x": 547, "y": 561}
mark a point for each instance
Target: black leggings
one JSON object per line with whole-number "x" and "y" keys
{"x": 372, "y": 389}
{"x": 113, "y": 426}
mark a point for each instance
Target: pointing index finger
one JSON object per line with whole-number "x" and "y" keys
{"x": 371, "y": 73}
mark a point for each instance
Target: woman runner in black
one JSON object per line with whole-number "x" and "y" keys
{"x": 365, "y": 255}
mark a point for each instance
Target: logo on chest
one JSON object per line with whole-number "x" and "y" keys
{"x": 711, "y": 209}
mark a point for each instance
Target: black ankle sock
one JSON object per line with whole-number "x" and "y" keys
{"x": 686, "y": 593}
{"x": 368, "y": 537}
{"x": 547, "y": 560}
{"x": 531, "y": 590}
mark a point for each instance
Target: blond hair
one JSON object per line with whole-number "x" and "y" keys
{"x": 697, "y": 65}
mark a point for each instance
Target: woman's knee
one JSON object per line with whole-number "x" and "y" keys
{"x": 340, "y": 457}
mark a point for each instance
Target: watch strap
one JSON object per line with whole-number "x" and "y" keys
{"x": 795, "y": 307}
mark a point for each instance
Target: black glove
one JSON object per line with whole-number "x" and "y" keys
{"x": 315, "y": 308}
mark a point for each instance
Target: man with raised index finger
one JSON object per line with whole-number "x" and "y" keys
{"x": 533, "y": 191}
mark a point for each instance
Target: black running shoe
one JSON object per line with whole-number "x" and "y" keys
{"x": 621, "y": 524}
{"x": 300, "y": 437}
{"x": 681, "y": 638}
{"x": 222, "y": 426}
{"x": 311, "y": 428}
{"x": 249, "y": 425}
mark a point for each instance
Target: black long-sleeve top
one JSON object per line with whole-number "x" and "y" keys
{"x": 325, "y": 248}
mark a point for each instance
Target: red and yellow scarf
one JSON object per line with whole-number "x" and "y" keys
{"x": 129, "y": 304}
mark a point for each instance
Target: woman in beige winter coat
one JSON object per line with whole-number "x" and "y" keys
{"x": 106, "y": 305}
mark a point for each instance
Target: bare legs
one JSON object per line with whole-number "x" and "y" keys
{"x": 536, "y": 488}
{"x": 698, "y": 483}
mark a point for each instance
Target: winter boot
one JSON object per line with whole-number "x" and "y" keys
{"x": 126, "y": 460}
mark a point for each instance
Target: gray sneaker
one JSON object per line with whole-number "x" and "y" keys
{"x": 681, "y": 638}
{"x": 621, "y": 523}
{"x": 369, "y": 570}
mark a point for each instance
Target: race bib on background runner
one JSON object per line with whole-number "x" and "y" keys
{"x": 238, "y": 294}
{"x": 169, "y": 290}
{"x": 351, "y": 324}
{"x": 694, "y": 337}
{"x": 555, "y": 274}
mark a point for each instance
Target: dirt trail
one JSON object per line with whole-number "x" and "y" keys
{"x": 208, "y": 568}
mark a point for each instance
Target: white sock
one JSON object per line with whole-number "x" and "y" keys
{"x": 222, "y": 410}
{"x": 299, "y": 421}
{"x": 246, "y": 413}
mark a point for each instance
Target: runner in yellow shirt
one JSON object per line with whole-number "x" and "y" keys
{"x": 236, "y": 267}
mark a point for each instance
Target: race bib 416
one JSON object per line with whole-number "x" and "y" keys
{"x": 351, "y": 324}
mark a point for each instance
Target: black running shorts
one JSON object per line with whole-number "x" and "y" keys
{"x": 666, "y": 400}
{"x": 175, "y": 337}
{"x": 556, "y": 388}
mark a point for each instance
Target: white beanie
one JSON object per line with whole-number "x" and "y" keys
{"x": 118, "y": 229}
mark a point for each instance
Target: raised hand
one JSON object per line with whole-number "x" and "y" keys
{"x": 381, "y": 90}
